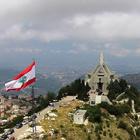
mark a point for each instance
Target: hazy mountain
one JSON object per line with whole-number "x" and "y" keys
{"x": 133, "y": 79}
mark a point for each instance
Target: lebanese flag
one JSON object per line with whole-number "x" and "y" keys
{"x": 23, "y": 79}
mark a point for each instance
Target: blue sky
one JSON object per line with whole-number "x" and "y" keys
{"x": 71, "y": 33}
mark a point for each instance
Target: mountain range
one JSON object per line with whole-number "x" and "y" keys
{"x": 54, "y": 81}
{"x": 133, "y": 79}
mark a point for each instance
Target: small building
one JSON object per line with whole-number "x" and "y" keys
{"x": 79, "y": 116}
{"x": 95, "y": 99}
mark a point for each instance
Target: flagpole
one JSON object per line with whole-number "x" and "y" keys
{"x": 32, "y": 92}
{"x": 33, "y": 107}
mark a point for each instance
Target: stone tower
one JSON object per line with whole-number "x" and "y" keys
{"x": 100, "y": 77}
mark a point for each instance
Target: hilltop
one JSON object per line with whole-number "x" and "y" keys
{"x": 116, "y": 121}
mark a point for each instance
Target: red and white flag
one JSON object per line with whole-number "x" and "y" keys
{"x": 23, "y": 79}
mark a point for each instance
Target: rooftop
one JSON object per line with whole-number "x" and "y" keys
{"x": 80, "y": 112}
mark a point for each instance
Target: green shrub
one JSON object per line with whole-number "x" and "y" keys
{"x": 94, "y": 113}
{"x": 98, "y": 136}
{"x": 117, "y": 110}
{"x": 119, "y": 138}
{"x": 110, "y": 135}
{"x": 98, "y": 128}
{"x": 89, "y": 138}
{"x": 107, "y": 124}
{"x": 122, "y": 125}
{"x": 1, "y": 130}
{"x": 104, "y": 133}
{"x": 130, "y": 131}
{"x": 54, "y": 110}
{"x": 138, "y": 132}
{"x": 77, "y": 87}
{"x": 61, "y": 126}
{"x": 56, "y": 131}
{"x": 64, "y": 135}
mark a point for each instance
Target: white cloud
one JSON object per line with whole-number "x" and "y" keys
{"x": 47, "y": 36}
{"x": 136, "y": 51}
{"x": 96, "y": 27}
{"x": 79, "y": 21}
{"x": 17, "y": 32}
{"x": 95, "y": 21}
{"x": 22, "y": 50}
{"x": 21, "y": 33}
{"x": 119, "y": 52}
{"x": 27, "y": 50}
{"x": 106, "y": 26}
{"x": 88, "y": 20}
{"x": 13, "y": 5}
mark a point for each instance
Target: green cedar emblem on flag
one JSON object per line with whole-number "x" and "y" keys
{"x": 23, "y": 79}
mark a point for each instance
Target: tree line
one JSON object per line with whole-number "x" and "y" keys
{"x": 77, "y": 88}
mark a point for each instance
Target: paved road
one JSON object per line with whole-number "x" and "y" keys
{"x": 40, "y": 116}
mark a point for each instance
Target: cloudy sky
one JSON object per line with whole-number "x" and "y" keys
{"x": 69, "y": 33}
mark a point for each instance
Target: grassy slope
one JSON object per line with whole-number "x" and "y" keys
{"x": 66, "y": 128}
